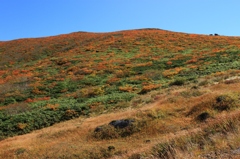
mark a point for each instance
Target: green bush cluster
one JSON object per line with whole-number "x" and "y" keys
{"x": 38, "y": 117}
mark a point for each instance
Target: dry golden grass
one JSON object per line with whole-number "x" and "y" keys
{"x": 166, "y": 120}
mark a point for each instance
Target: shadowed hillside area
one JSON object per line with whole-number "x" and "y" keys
{"x": 146, "y": 93}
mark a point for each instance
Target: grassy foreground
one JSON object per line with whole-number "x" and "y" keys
{"x": 173, "y": 126}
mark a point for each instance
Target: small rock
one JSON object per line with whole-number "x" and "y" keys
{"x": 98, "y": 129}
{"x": 110, "y": 148}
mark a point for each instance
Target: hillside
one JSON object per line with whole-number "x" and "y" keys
{"x": 181, "y": 90}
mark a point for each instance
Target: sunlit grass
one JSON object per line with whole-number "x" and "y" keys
{"x": 170, "y": 83}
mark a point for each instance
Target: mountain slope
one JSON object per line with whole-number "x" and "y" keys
{"x": 82, "y": 75}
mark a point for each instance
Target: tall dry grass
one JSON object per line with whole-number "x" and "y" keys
{"x": 169, "y": 130}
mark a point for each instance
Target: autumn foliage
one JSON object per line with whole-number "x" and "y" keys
{"x": 70, "y": 75}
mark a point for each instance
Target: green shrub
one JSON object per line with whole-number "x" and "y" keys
{"x": 20, "y": 151}
{"x": 178, "y": 82}
{"x": 110, "y": 132}
{"x": 106, "y": 132}
{"x": 219, "y": 103}
{"x": 135, "y": 156}
{"x": 39, "y": 117}
{"x": 224, "y": 102}
{"x": 203, "y": 116}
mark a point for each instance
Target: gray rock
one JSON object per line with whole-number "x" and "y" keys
{"x": 121, "y": 123}
{"x": 98, "y": 129}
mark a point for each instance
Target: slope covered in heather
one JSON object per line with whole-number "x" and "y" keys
{"x": 187, "y": 77}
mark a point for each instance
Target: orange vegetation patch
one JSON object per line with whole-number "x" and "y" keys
{"x": 29, "y": 100}
{"x": 172, "y": 72}
{"x": 14, "y": 75}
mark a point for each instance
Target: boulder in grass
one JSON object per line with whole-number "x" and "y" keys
{"x": 121, "y": 123}
{"x": 117, "y": 128}
{"x": 118, "y": 124}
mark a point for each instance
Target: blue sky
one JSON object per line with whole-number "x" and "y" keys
{"x": 39, "y": 18}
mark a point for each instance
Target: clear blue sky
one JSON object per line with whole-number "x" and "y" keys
{"x": 38, "y": 18}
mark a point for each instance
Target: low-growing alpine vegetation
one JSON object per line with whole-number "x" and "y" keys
{"x": 128, "y": 94}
